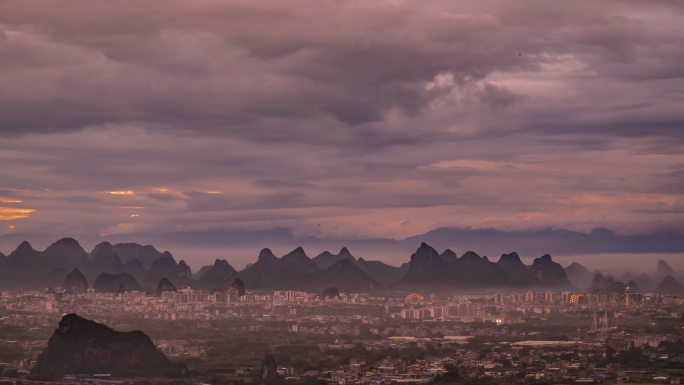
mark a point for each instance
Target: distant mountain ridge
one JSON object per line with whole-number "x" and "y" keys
{"x": 295, "y": 270}
{"x": 638, "y": 284}
{"x": 382, "y": 273}
{"x": 471, "y": 271}
{"x": 129, "y": 266}
{"x": 578, "y": 275}
{"x": 135, "y": 265}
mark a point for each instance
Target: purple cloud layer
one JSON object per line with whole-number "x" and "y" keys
{"x": 340, "y": 119}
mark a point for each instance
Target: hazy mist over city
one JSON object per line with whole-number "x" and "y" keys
{"x": 332, "y": 192}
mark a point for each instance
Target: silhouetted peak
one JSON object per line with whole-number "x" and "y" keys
{"x": 543, "y": 260}
{"x": 66, "y": 248}
{"x": 344, "y": 252}
{"x": 449, "y": 255}
{"x": 164, "y": 285}
{"x": 75, "y": 282}
{"x": 599, "y": 282}
{"x": 577, "y": 267}
{"x": 669, "y": 279}
{"x": 425, "y": 259}
{"x": 72, "y": 319}
{"x": 266, "y": 255}
{"x": 102, "y": 246}
{"x": 221, "y": 263}
{"x": 485, "y": 258}
{"x": 67, "y": 242}
{"x": 105, "y": 252}
{"x": 510, "y": 258}
{"x": 224, "y": 265}
{"x": 297, "y": 254}
{"x": 183, "y": 264}
{"x": 425, "y": 248}
{"x": 470, "y": 256}
{"x": 239, "y": 285}
{"x": 24, "y": 246}
{"x": 670, "y": 285}
{"x": 425, "y": 253}
{"x": 664, "y": 268}
{"x": 116, "y": 283}
{"x": 167, "y": 254}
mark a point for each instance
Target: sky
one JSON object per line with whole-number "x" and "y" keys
{"x": 338, "y": 119}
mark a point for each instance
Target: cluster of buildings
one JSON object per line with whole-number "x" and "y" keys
{"x": 510, "y": 325}
{"x": 530, "y": 361}
{"x": 202, "y": 305}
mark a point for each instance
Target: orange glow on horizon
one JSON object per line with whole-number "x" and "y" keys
{"x": 10, "y": 200}
{"x": 12, "y": 213}
{"x": 120, "y": 192}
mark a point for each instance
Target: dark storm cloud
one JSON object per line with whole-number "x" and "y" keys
{"x": 284, "y": 71}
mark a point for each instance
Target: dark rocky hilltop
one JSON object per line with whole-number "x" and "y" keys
{"x": 116, "y": 283}
{"x": 80, "y": 345}
{"x": 164, "y": 285}
{"x": 75, "y": 282}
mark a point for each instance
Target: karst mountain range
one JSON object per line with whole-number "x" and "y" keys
{"x": 134, "y": 267}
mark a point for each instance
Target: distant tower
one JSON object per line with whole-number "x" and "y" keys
{"x": 628, "y": 297}
{"x": 594, "y": 325}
